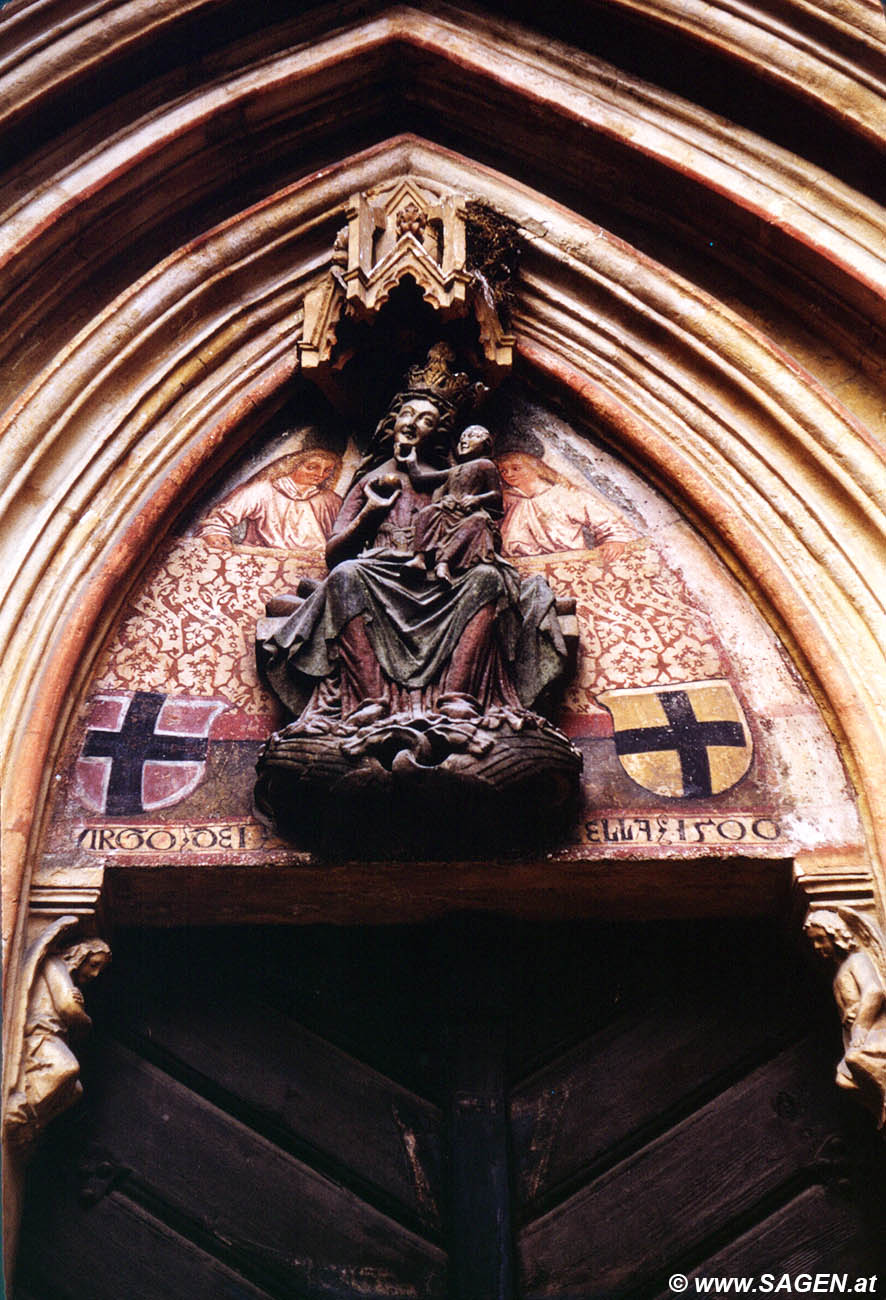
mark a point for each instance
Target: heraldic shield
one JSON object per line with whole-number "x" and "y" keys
{"x": 143, "y": 750}
{"x": 684, "y": 742}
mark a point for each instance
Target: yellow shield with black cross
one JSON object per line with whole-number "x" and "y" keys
{"x": 685, "y": 742}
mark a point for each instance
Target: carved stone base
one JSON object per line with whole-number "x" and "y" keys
{"x": 446, "y": 783}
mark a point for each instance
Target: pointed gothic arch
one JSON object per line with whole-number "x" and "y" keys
{"x": 732, "y": 428}
{"x": 128, "y": 376}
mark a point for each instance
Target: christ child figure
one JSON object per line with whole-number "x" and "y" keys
{"x": 458, "y": 529}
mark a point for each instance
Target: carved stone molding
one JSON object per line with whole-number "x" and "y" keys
{"x": 80, "y": 898}
{"x": 726, "y": 454}
{"x": 731, "y": 479}
{"x": 47, "y": 1019}
{"x": 831, "y": 880}
{"x": 395, "y": 232}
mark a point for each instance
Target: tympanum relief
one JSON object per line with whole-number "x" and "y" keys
{"x": 467, "y": 605}
{"x": 695, "y": 733}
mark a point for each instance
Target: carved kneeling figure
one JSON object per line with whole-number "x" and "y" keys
{"x": 853, "y": 945}
{"x": 49, "y": 1072}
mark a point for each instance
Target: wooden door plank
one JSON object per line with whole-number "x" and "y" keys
{"x": 240, "y": 1188}
{"x": 482, "y": 1243}
{"x": 115, "y": 1249}
{"x": 377, "y": 1130}
{"x": 477, "y": 1000}
{"x": 569, "y": 1114}
{"x": 713, "y": 1166}
{"x": 817, "y": 1232}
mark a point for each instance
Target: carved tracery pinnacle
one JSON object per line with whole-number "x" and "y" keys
{"x": 399, "y": 231}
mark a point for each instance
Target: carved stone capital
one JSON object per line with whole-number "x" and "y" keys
{"x": 48, "y": 1019}
{"x": 829, "y": 879}
{"x": 67, "y": 894}
{"x": 394, "y": 232}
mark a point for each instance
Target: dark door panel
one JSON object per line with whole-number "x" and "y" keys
{"x": 477, "y": 1108}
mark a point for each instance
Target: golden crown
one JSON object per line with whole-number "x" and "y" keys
{"x": 437, "y": 380}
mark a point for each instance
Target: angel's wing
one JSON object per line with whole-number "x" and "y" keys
{"x": 869, "y": 935}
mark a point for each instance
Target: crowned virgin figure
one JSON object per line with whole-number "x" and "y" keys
{"x": 391, "y": 660}
{"x": 384, "y": 637}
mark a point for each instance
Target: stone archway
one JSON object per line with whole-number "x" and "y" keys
{"x": 710, "y": 396}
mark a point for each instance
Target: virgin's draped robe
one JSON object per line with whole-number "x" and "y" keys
{"x": 405, "y": 638}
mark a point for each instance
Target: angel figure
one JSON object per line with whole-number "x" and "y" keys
{"x": 48, "y": 1076}
{"x": 288, "y": 504}
{"x": 855, "y": 947}
{"x": 545, "y": 512}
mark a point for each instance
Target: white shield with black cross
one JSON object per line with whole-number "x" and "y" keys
{"x": 143, "y": 750}
{"x": 685, "y": 742}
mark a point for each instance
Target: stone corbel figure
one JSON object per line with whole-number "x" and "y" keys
{"x": 856, "y": 949}
{"x": 47, "y": 1081}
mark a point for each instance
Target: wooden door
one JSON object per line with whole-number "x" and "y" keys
{"x": 475, "y": 1108}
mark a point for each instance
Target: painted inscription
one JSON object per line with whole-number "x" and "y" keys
{"x": 175, "y": 838}
{"x": 739, "y": 828}
{"x": 617, "y": 829}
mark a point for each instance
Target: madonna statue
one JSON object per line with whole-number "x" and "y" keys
{"x": 411, "y": 672}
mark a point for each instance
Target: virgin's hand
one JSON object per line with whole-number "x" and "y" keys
{"x": 376, "y": 501}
